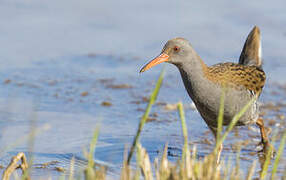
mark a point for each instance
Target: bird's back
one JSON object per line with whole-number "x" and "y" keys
{"x": 233, "y": 75}
{"x": 248, "y": 73}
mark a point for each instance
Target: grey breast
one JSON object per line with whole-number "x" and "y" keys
{"x": 208, "y": 98}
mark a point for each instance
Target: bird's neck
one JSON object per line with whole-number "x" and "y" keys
{"x": 193, "y": 72}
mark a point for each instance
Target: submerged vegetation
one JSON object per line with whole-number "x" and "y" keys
{"x": 189, "y": 166}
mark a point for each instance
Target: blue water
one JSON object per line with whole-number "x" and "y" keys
{"x": 53, "y": 52}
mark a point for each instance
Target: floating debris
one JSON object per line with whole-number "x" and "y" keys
{"x": 280, "y": 116}
{"x": 106, "y": 103}
{"x": 105, "y": 81}
{"x": 170, "y": 107}
{"x": 206, "y": 141}
{"x": 119, "y": 86}
{"x": 7, "y": 81}
{"x": 270, "y": 106}
{"x": 151, "y": 119}
{"x": 85, "y": 93}
{"x": 60, "y": 169}
{"x": 45, "y": 165}
{"x": 91, "y": 55}
{"x": 52, "y": 82}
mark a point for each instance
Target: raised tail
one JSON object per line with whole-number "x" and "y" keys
{"x": 251, "y": 52}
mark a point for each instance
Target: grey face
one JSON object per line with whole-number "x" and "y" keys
{"x": 175, "y": 52}
{"x": 177, "y": 49}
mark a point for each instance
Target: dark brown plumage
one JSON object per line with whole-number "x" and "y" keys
{"x": 237, "y": 75}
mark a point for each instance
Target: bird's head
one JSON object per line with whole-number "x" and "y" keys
{"x": 173, "y": 52}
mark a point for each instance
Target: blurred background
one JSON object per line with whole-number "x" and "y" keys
{"x": 34, "y": 30}
{"x": 68, "y": 66}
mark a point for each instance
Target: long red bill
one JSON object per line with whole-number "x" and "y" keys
{"x": 159, "y": 59}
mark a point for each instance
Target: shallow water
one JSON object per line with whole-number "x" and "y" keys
{"x": 59, "y": 67}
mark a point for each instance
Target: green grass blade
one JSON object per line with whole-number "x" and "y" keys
{"x": 186, "y": 157}
{"x": 267, "y": 160}
{"x": 138, "y": 162}
{"x": 92, "y": 148}
{"x": 71, "y": 172}
{"x": 220, "y": 116}
{"x": 146, "y": 114}
{"x": 278, "y": 155}
{"x": 233, "y": 122}
{"x": 184, "y": 127}
{"x": 89, "y": 171}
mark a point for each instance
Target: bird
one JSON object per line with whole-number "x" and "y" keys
{"x": 241, "y": 82}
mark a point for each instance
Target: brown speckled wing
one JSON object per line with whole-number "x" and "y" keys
{"x": 237, "y": 75}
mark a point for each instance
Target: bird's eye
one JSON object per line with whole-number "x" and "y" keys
{"x": 176, "y": 49}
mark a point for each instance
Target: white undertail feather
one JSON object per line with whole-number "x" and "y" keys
{"x": 260, "y": 51}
